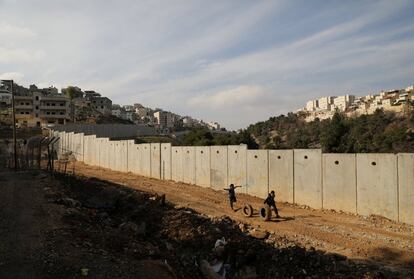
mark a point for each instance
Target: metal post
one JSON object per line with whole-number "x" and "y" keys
{"x": 14, "y": 126}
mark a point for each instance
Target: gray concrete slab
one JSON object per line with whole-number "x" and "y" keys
{"x": 156, "y": 160}
{"x": 377, "y": 185}
{"x": 166, "y": 161}
{"x": 134, "y": 158}
{"x": 177, "y": 163}
{"x": 406, "y": 187}
{"x": 257, "y": 173}
{"x": 218, "y": 167}
{"x": 189, "y": 164}
{"x": 339, "y": 182}
{"x": 203, "y": 165}
{"x": 281, "y": 174}
{"x": 237, "y": 170}
{"x": 145, "y": 163}
{"x": 308, "y": 177}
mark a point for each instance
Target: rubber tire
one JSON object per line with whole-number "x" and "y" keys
{"x": 248, "y": 210}
{"x": 265, "y": 213}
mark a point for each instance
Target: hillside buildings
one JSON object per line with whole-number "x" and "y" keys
{"x": 42, "y": 109}
{"x": 39, "y": 107}
{"x": 325, "y": 107}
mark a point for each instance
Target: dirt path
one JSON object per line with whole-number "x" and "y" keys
{"x": 372, "y": 238}
{"x": 22, "y": 220}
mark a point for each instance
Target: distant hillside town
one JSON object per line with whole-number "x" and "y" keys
{"x": 324, "y": 108}
{"x": 41, "y": 107}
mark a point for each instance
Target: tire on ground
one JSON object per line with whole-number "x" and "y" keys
{"x": 265, "y": 213}
{"x": 248, "y": 210}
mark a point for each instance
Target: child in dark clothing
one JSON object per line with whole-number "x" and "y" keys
{"x": 270, "y": 201}
{"x": 232, "y": 194}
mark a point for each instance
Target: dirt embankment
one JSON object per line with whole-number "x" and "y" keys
{"x": 375, "y": 239}
{"x": 71, "y": 227}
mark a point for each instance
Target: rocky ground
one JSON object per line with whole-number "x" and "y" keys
{"x": 79, "y": 227}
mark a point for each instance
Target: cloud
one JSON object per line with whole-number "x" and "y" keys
{"x": 8, "y": 55}
{"x": 8, "y": 31}
{"x": 242, "y": 95}
{"x": 234, "y": 62}
{"x": 15, "y": 76}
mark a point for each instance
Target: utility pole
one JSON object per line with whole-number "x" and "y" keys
{"x": 14, "y": 126}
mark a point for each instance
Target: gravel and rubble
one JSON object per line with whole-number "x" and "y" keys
{"x": 112, "y": 231}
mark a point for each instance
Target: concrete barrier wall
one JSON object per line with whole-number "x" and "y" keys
{"x": 189, "y": 164}
{"x": 156, "y": 160}
{"x": 379, "y": 184}
{"x": 145, "y": 163}
{"x": 339, "y": 182}
{"x": 202, "y": 157}
{"x": 166, "y": 161}
{"x": 308, "y": 177}
{"x": 176, "y": 163}
{"x": 377, "y": 190}
{"x": 131, "y": 153}
{"x": 257, "y": 173}
{"x": 78, "y": 146}
{"x": 218, "y": 167}
{"x": 237, "y": 171}
{"x": 104, "y": 154}
{"x": 406, "y": 187}
{"x": 281, "y": 174}
{"x": 134, "y": 158}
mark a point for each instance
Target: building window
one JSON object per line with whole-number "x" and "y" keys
{"x": 62, "y": 104}
{"x": 22, "y": 104}
{"x": 37, "y": 107}
{"x": 61, "y": 113}
{"x": 53, "y": 104}
{"x": 47, "y": 112}
{"x": 53, "y": 113}
{"x": 27, "y": 104}
{"x": 37, "y": 98}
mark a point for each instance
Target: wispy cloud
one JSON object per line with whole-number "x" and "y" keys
{"x": 235, "y": 62}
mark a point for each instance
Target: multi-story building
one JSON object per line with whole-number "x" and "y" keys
{"x": 312, "y": 105}
{"x": 342, "y": 103}
{"x": 41, "y": 109}
{"x": 101, "y": 104}
{"x": 213, "y": 125}
{"x": 325, "y": 103}
{"x": 164, "y": 119}
{"x": 5, "y": 98}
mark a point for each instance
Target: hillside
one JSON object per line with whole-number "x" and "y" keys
{"x": 379, "y": 132}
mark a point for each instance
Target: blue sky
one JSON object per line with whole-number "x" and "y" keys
{"x": 235, "y": 62}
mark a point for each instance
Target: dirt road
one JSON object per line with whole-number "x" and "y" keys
{"x": 376, "y": 239}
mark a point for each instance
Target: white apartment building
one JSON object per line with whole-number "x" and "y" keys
{"x": 325, "y": 103}
{"x": 41, "y": 110}
{"x": 312, "y": 105}
{"x": 129, "y": 115}
{"x": 342, "y": 103}
{"x": 117, "y": 113}
{"x": 213, "y": 125}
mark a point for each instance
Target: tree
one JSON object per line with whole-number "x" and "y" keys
{"x": 333, "y": 134}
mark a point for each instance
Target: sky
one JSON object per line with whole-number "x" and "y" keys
{"x": 234, "y": 62}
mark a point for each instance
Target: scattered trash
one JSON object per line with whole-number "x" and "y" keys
{"x": 84, "y": 271}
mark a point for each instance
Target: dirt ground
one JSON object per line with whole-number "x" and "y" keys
{"x": 373, "y": 238}
{"x": 105, "y": 224}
